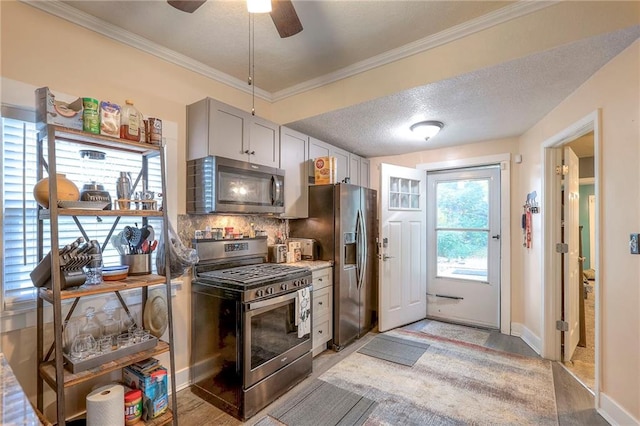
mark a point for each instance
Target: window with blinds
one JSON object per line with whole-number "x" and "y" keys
{"x": 19, "y": 209}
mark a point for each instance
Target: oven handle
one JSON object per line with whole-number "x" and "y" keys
{"x": 274, "y": 301}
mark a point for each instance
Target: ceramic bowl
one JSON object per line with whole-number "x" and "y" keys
{"x": 115, "y": 273}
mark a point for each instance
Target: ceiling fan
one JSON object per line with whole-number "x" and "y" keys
{"x": 283, "y": 14}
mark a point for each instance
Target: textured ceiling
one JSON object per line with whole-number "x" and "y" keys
{"x": 503, "y": 100}
{"x": 492, "y": 103}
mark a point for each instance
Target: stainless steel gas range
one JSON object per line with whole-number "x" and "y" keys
{"x": 250, "y": 343}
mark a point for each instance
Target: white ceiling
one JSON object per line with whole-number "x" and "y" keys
{"x": 503, "y": 100}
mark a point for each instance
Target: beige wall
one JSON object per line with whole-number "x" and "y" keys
{"x": 615, "y": 89}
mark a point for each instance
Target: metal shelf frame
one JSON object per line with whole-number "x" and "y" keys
{"x": 52, "y": 371}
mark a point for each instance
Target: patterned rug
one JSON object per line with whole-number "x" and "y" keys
{"x": 457, "y": 332}
{"x": 454, "y": 382}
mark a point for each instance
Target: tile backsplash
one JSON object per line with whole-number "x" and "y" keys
{"x": 188, "y": 224}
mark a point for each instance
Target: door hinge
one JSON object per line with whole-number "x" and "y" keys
{"x": 562, "y": 248}
{"x": 562, "y": 170}
{"x": 562, "y": 325}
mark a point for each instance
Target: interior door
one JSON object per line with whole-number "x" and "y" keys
{"x": 571, "y": 266}
{"x": 402, "y": 262}
{"x": 463, "y": 248}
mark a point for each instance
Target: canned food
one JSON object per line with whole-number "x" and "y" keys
{"x": 90, "y": 116}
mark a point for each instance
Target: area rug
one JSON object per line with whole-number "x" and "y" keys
{"x": 394, "y": 349}
{"x": 457, "y": 332}
{"x": 322, "y": 403}
{"x": 453, "y": 383}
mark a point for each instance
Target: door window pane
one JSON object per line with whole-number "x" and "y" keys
{"x": 404, "y": 194}
{"x": 463, "y": 254}
{"x": 463, "y": 204}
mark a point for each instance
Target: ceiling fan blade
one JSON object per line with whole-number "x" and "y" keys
{"x": 188, "y": 6}
{"x": 285, "y": 18}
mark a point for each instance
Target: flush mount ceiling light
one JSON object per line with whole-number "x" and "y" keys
{"x": 427, "y": 129}
{"x": 259, "y": 6}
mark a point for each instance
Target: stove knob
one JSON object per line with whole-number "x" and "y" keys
{"x": 270, "y": 290}
{"x": 283, "y": 286}
{"x": 259, "y": 293}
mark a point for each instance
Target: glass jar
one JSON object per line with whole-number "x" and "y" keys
{"x": 130, "y": 119}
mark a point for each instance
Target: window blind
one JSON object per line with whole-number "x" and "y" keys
{"x": 19, "y": 209}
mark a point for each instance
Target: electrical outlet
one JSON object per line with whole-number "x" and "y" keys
{"x": 634, "y": 242}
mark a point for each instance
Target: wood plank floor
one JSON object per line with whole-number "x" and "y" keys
{"x": 575, "y": 403}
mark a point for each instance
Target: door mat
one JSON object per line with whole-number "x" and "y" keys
{"x": 454, "y": 383}
{"x": 394, "y": 349}
{"x": 322, "y": 403}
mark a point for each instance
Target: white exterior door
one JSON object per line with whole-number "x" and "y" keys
{"x": 463, "y": 248}
{"x": 571, "y": 229}
{"x": 402, "y": 291}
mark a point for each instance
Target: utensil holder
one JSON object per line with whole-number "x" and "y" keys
{"x": 139, "y": 264}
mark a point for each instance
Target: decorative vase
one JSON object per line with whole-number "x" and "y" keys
{"x": 67, "y": 190}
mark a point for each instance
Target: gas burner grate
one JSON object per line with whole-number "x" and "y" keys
{"x": 253, "y": 273}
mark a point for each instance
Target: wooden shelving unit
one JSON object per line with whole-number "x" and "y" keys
{"x": 51, "y": 368}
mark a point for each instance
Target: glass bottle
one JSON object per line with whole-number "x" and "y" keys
{"x": 91, "y": 325}
{"x": 130, "y": 120}
{"x": 110, "y": 326}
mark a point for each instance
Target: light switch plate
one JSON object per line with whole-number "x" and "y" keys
{"x": 634, "y": 242}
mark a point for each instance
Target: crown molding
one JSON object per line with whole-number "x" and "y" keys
{"x": 64, "y": 11}
{"x": 500, "y": 16}
{"x": 75, "y": 16}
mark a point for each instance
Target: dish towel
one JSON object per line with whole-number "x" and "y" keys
{"x": 304, "y": 311}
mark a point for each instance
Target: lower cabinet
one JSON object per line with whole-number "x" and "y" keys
{"x": 322, "y": 311}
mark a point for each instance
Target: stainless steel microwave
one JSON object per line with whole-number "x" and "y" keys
{"x": 222, "y": 185}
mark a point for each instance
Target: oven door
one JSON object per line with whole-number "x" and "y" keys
{"x": 271, "y": 336}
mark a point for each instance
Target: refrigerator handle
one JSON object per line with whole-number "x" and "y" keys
{"x": 361, "y": 247}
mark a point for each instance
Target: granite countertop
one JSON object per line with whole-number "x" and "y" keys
{"x": 313, "y": 264}
{"x": 15, "y": 408}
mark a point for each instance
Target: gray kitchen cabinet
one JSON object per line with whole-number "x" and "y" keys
{"x": 365, "y": 173}
{"x": 354, "y": 168}
{"x": 264, "y": 142}
{"x": 215, "y": 128}
{"x": 318, "y": 148}
{"x": 294, "y": 157}
{"x": 322, "y": 310}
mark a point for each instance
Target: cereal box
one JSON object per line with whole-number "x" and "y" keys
{"x": 325, "y": 170}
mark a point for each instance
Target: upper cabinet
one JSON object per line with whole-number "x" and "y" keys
{"x": 349, "y": 165}
{"x": 358, "y": 170}
{"x": 294, "y": 156}
{"x": 215, "y": 128}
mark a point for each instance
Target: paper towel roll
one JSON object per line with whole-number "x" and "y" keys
{"x": 105, "y": 406}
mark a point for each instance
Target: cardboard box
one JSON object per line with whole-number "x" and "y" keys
{"x": 153, "y": 384}
{"x": 52, "y": 111}
{"x": 325, "y": 170}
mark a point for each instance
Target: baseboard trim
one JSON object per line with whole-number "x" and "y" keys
{"x": 614, "y": 413}
{"x": 182, "y": 379}
{"x": 530, "y": 338}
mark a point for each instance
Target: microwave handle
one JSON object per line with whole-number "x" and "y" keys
{"x": 276, "y": 189}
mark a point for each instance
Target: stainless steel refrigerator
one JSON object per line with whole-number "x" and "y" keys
{"x": 343, "y": 219}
